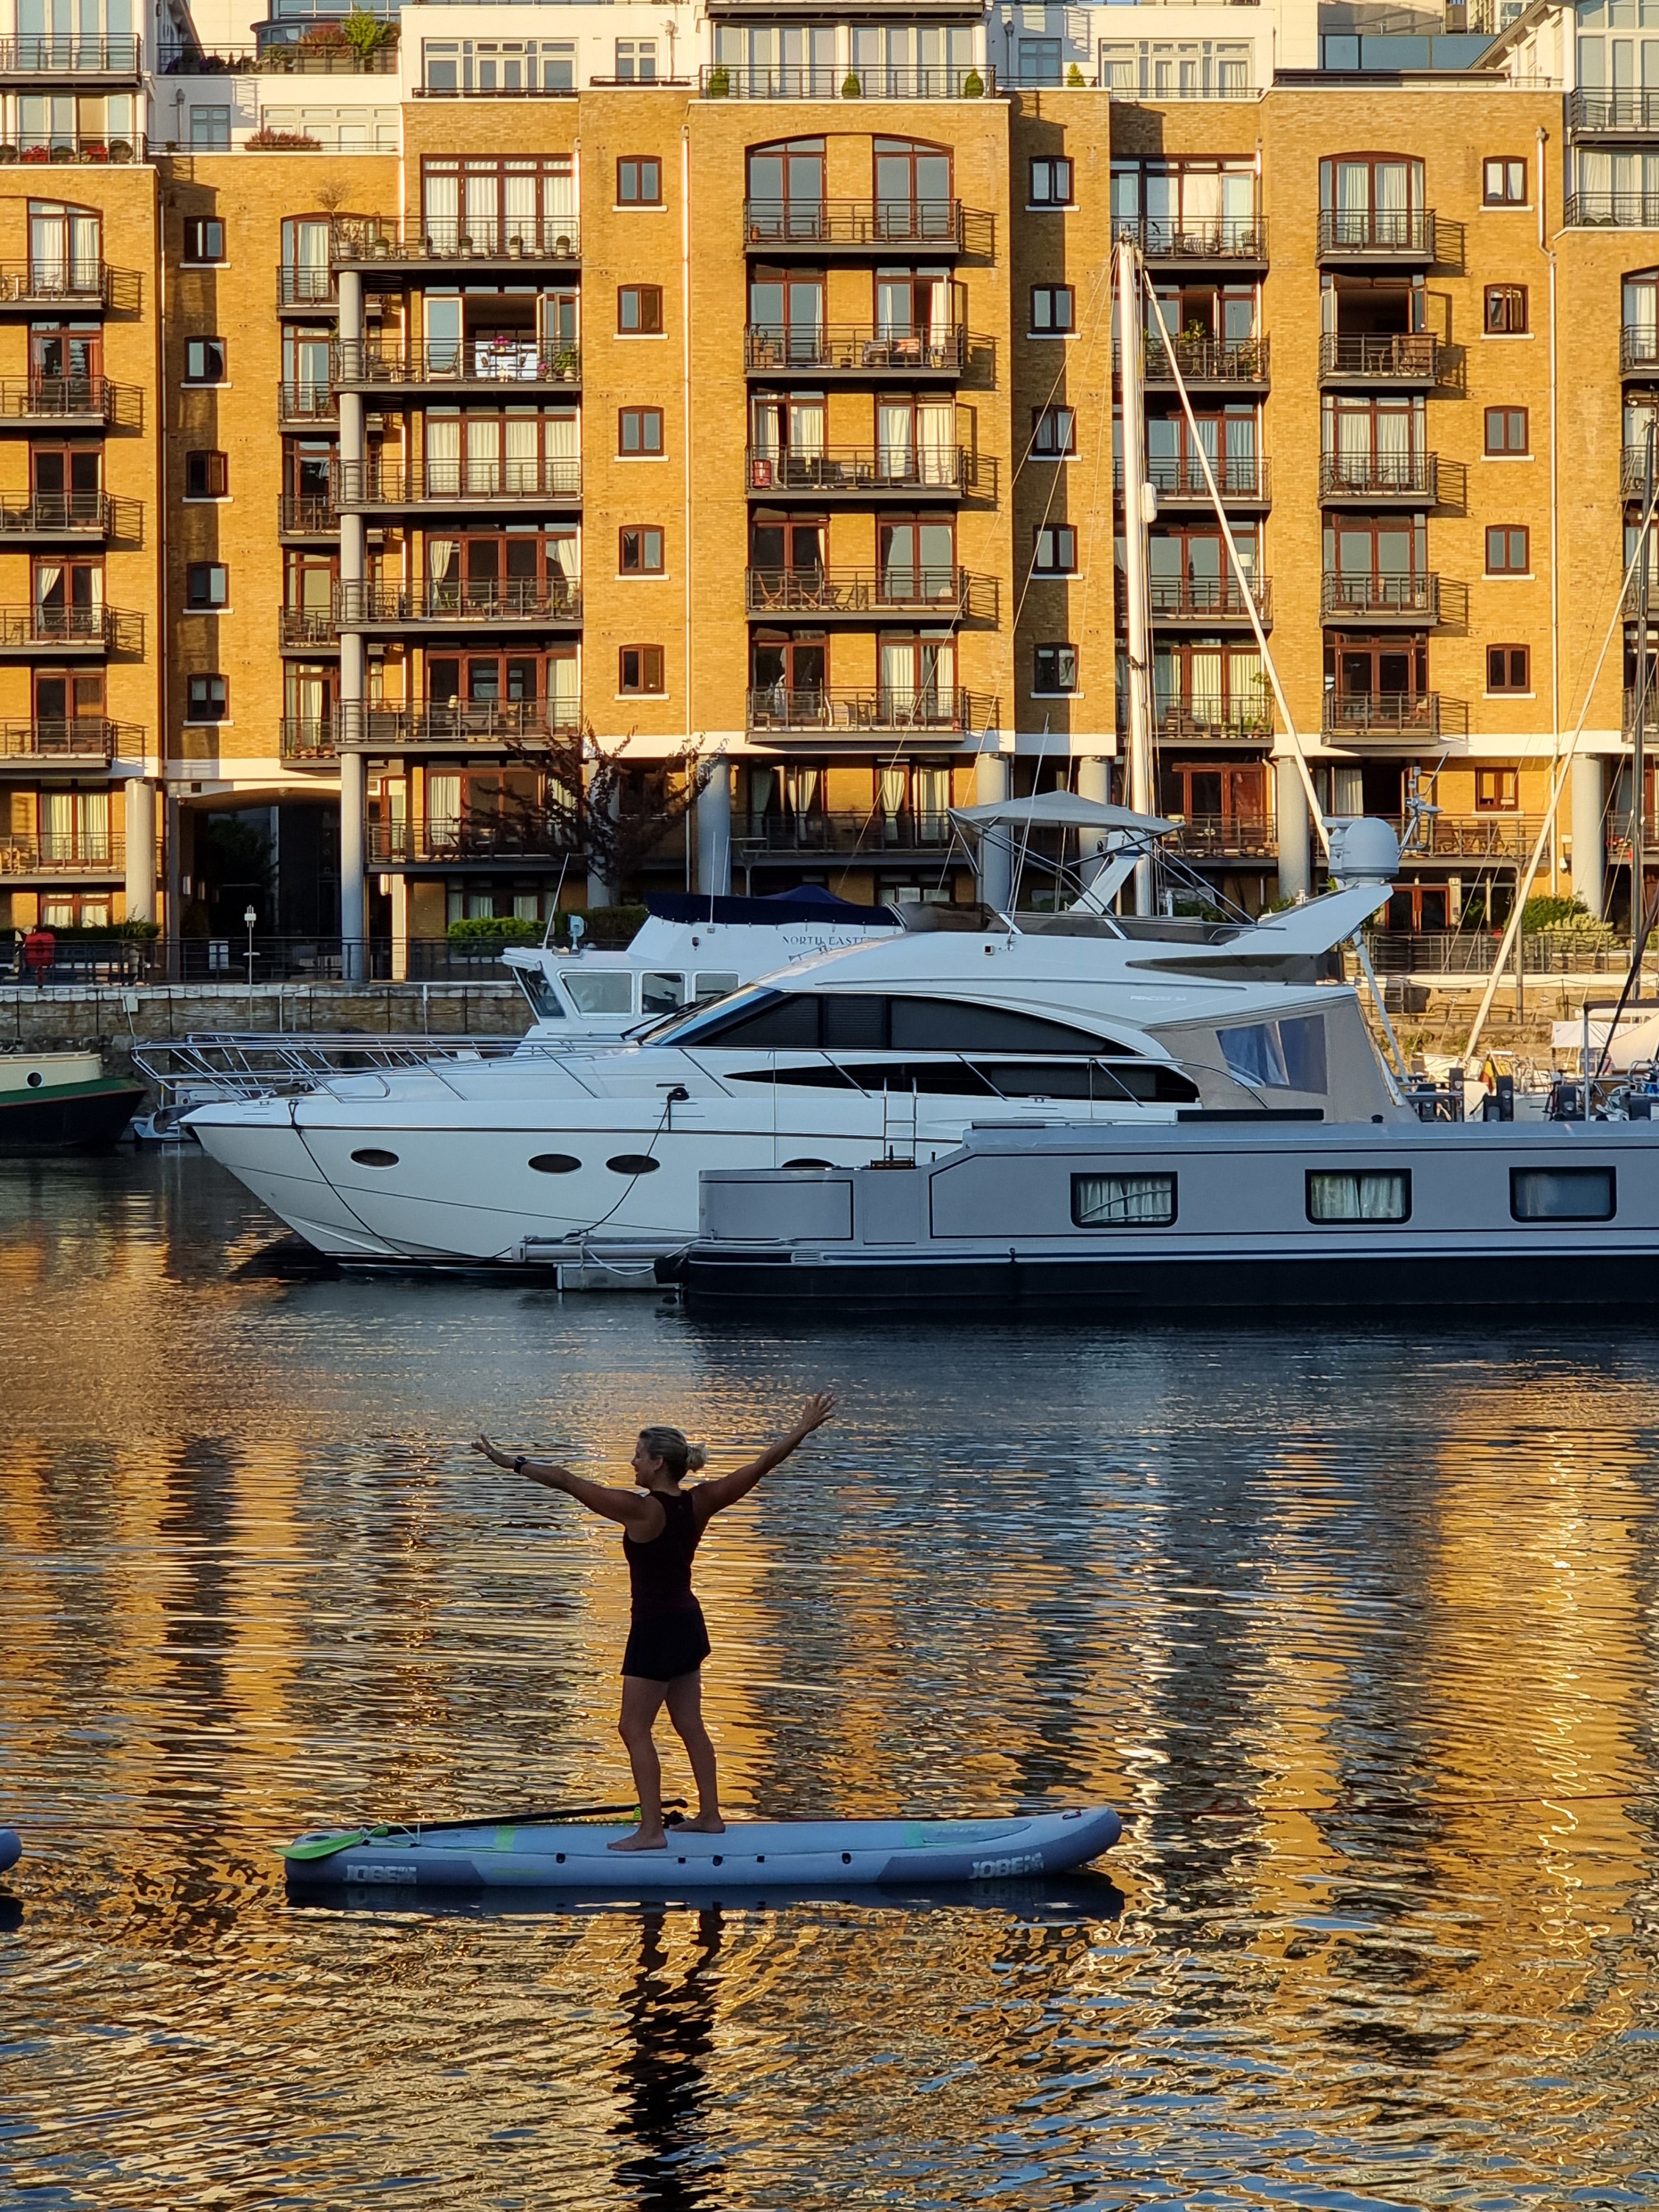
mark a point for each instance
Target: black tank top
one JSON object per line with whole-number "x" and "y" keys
{"x": 660, "y": 1570}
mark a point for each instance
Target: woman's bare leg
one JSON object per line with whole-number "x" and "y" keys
{"x": 684, "y": 1695}
{"x": 640, "y": 1700}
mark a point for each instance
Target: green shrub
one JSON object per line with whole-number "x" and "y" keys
{"x": 1074, "y": 78}
{"x": 973, "y": 85}
{"x": 109, "y": 933}
{"x": 491, "y": 932}
{"x": 852, "y": 87}
{"x": 719, "y": 82}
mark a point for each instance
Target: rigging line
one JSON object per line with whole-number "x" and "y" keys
{"x": 628, "y": 1188}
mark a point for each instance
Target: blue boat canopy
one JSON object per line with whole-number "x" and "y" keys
{"x": 810, "y": 903}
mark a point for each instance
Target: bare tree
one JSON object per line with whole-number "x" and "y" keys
{"x": 594, "y": 803}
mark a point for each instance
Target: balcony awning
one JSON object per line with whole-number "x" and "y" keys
{"x": 1058, "y": 810}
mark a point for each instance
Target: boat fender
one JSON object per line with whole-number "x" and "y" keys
{"x": 11, "y": 1848}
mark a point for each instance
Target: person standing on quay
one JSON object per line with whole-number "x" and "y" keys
{"x": 667, "y": 1641}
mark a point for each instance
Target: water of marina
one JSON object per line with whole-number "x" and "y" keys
{"x": 1356, "y": 1627}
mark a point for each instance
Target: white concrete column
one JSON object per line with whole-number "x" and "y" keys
{"x": 353, "y": 906}
{"x": 1588, "y": 836}
{"x": 398, "y": 886}
{"x": 141, "y": 849}
{"x": 1295, "y": 864}
{"x": 1094, "y": 781}
{"x": 714, "y": 833}
{"x": 996, "y": 870}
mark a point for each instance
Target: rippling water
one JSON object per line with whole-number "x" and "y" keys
{"x": 1357, "y": 1629}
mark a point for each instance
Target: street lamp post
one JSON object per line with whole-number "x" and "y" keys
{"x": 249, "y": 917}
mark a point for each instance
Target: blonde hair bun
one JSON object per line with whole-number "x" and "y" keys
{"x": 671, "y": 1446}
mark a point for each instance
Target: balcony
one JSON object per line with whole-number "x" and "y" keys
{"x": 887, "y": 712}
{"x": 306, "y": 291}
{"x": 722, "y": 81}
{"x": 1414, "y": 718}
{"x": 48, "y": 282}
{"x": 852, "y": 230}
{"x": 862, "y": 595}
{"x": 93, "y": 632}
{"x": 859, "y": 353}
{"x": 1634, "y": 471}
{"x": 442, "y": 841}
{"x": 1639, "y": 350}
{"x": 478, "y": 242}
{"x": 307, "y": 630}
{"x": 1617, "y": 835}
{"x": 86, "y": 149}
{"x": 863, "y": 474}
{"x": 447, "y": 726}
{"x": 1612, "y": 211}
{"x": 1414, "y": 601}
{"x": 526, "y": 603}
{"x": 1208, "y": 722}
{"x": 1228, "y": 838}
{"x": 302, "y": 515}
{"x": 457, "y": 486}
{"x": 308, "y": 741}
{"x": 70, "y": 402}
{"x": 479, "y": 367}
{"x": 1229, "y": 363}
{"x": 293, "y": 58}
{"x": 1400, "y": 479}
{"x": 306, "y": 403}
{"x": 1612, "y": 114}
{"x": 1379, "y": 357}
{"x": 56, "y": 853}
{"x": 76, "y": 744}
{"x": 30, "y": 61}
{"x": 1243, "y": 480}
{"x": 1230, "y": 241}
{"x": 49, "y": 516}
{"x": 1208, "y": 602}
{"x": 758, "y": 838}
{"x": 1468, "y": 836}
{"x": 1397, "y": 235}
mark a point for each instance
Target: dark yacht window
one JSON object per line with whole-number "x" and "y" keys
{"x": 1560, "y": 1193}
{"x": 1283, "y": 1055}
{"x": 1106, "y": 1081}
{"x": 870, "y": 1021}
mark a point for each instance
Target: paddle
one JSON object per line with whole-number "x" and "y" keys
{"x": 324, "y": 1847}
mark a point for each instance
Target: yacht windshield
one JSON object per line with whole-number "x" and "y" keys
{"x": 690, "y": 1027}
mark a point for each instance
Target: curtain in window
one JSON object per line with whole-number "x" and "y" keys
{"x": 936, "y": 442}
{"x": 484, "y": 198}
{"x": 518, "y": 206}
{"x": 440, "y": 207}
{"x": 899, "y": 680}
{"x": 94, "y": 826}
{"x": 762, "y": 786}
{"x": 49, "y": 584}
{"x": 1204, "y": 667}
{"x": 443, "y": 809}
{"x": 443, "y": 572}
{"x": 443, "y": 454}
{"x": 1357, "y": 1197}
{"x": 806, "y": 423}
{"x": 563, "y": 688}
{"x": 894, "y": 782}
{"x": 802, "y": 787}
{"x": 564, "y": 557}
{"x": 559, "y": 435}
{"x": 1201, "y": 204}
{"x": 57, "y": 825}
{"x": 895, "y": 422}
{"x": 483, "y": 453}
{"x": 931, "y": 800}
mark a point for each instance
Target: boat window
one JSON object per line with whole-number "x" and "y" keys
{"x": 844, "y": 1020}
{"x": 931, "y": 1079}
{"x": 372, "y": 1157}
{"x": 537, "y": 986}
{"x": 632, "y": 1164}
{"x": 600, "y": 991}
{"x": 661, "y": 994}
{"x": 712, "y": 984}
{"x": 555, "y": 1163}
{"x": 1102, "y": 1081}
{"x": 784, "y": 1021}
{"x": 1123, "y": 1201}
{"x": 1561, "y": 1194}
{"x": 1349, "y": 1196}
{"x": 947, "y": 1025}
{"x": 1283, "y": 1055}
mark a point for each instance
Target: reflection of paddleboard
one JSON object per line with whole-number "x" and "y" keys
{"x": 751, "y": 1855}
{"x": 11, "y": 1848}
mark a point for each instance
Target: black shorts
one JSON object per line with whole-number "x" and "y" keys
{"x": 673, "y": 1643}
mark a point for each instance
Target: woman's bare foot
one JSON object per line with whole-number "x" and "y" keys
{"x": 642, "y": 1840}
{"x": 706, "y": 1824}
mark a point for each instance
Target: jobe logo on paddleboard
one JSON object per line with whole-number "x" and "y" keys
{"x": 1022, "y": 1863}
{"x": 380, "y": 1871}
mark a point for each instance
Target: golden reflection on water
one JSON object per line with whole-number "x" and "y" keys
{"x": 1313, "y": 1610}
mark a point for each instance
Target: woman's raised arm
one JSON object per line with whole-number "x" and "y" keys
{"x": 727, "y": 1489}
{"x": 635, "y": 1509}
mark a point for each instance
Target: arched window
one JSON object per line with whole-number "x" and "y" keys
{"x": 786, "y": 192}
{"x": 1638, "y": 345}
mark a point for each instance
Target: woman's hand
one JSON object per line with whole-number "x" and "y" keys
{"x": 815, "y": 1413}
{"x": 502, "y": 1458}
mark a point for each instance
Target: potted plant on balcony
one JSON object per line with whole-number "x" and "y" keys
{"x": 718, "y": 84}
{"x": 851, "y": 86}
{"x": 973, "y": 85}
{"x": 121, "y": 150}
{"x": 1074, "y": 78}
{"x": 93, "y": 149}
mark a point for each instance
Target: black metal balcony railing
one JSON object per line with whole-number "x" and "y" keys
{"x": 1639, "y": 346}
{"x": 88, "y": 149}
{"x": 892, "y": 708}
{"x": 549, "y": 600}
{"x": 93, "y": 741}
{"x": 62, "y": 853}
{"x": 308, "y": 626}
{"x": 720, "y": 80}
{"x": 300, "y": 514}
{"x": 1634, "y": 471}
{"x": 91, "y": 399}
{"x": 105, "y": 628}
{"x": 855, "y": 223}
{"x": 1206, "y": 361}
{"x": 1650, "y": 719}
{"x": 857, "y": 472}
{"x": 49, "y": 282}
{"x": 942, "y": 593}
{"x": 1340, "y": 597}
{"x": 307, "y": 287}
{"x": 1207, "y": 720}
{"x": 441, "y": 724}
{"x": 306, "y": 403}
{"x": 1383, "y": 714}
{"x": 1221, "y": 237}
{"x": 855, "y": 349}
{"x": 1387, "y": 233}
{"x": 757, "y": 837}
{"x": 1244, "y": 477}
{"x": 1380, "y": 357}
{"x": 1208, "y": 598}
{"x": 528, "y": 836}
{"x": 72, "y": 514}
{"x": 365, "y": 240}
{"x": 1612, "y": 211}
{"x": 459, "y": 482}
{"x": 1374, "y": 476}
{"x": 1229, "y": 837}
{"x": 61, "y": 56}
{"x": 1493, "y": 836}
{"x": 511, "y": 361}
{"x": 309, "y": 739}
{"x": 1616, "y": 111}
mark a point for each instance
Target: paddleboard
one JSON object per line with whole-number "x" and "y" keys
{"x": 775, "y": 1854}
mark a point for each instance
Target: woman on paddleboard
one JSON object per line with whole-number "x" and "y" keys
{"x": 667, "y": 1642}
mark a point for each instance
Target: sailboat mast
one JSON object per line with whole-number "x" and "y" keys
{"x": 1131, "y": 343}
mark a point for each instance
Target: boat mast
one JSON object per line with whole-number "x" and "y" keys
{"x": 1131, "y": 331}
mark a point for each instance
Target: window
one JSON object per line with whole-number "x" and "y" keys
{"x": 1052, "y": 309}
{"x": 639, "y": 431}
{"x": 204, "y": 360}
{"x": 1056, "y": 549}
{"x": 1051, "y": 182}
{"x": 206, "y": 698}
{"x": 1561, "y": 1194}
{"x": 209, "y": 129}
{"x": 1509, "y": 668}
{"x": 1508, "y": 552}
{"x": 1359, "y": 1197}
{"x": 207, "y": 585}
{"x": 1282, "y": 1055}
{"x": 1506, "y": 429}
{"x": 637, "y": 61}
{"x": 764, "y": 1017}
{"x": 1123, "y": 1201}
{"x": 1506, "y": 310}
{"x": 1055, "y": 668}
{"x": 1039, "y": 60}
{"x": 205, "y": 242}
{"x": 206, "y": 476}
{"x": 1497, "y": 790}
{"x": 640, "y": 553}
{"x": 1505, "y": 184}
{"x": 1053, "y": 432}
{"x": 640, "y": 669}
{"x": 639, "y": 310}
{"x": 639, "y": 181}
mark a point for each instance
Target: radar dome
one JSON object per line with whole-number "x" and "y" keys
{"x": 1366, "y": 851}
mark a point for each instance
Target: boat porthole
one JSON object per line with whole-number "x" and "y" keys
{"x": 847, "y": 1858}
{"x": 808, "y": 1164}
{"x": 681, "y": 1862}
{"x": 718, "y": 1860}
{"x": 559, "y": 1857}
{"x": 555, "y": 1163}
{"x": 35, "y": 1078}
{"x": 632, "y": 1164}
{"x": 760, "y": 1859}
{"x": 369, "y": 1158}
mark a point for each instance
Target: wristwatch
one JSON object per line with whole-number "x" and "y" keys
{"x": 518, "y": 1464}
